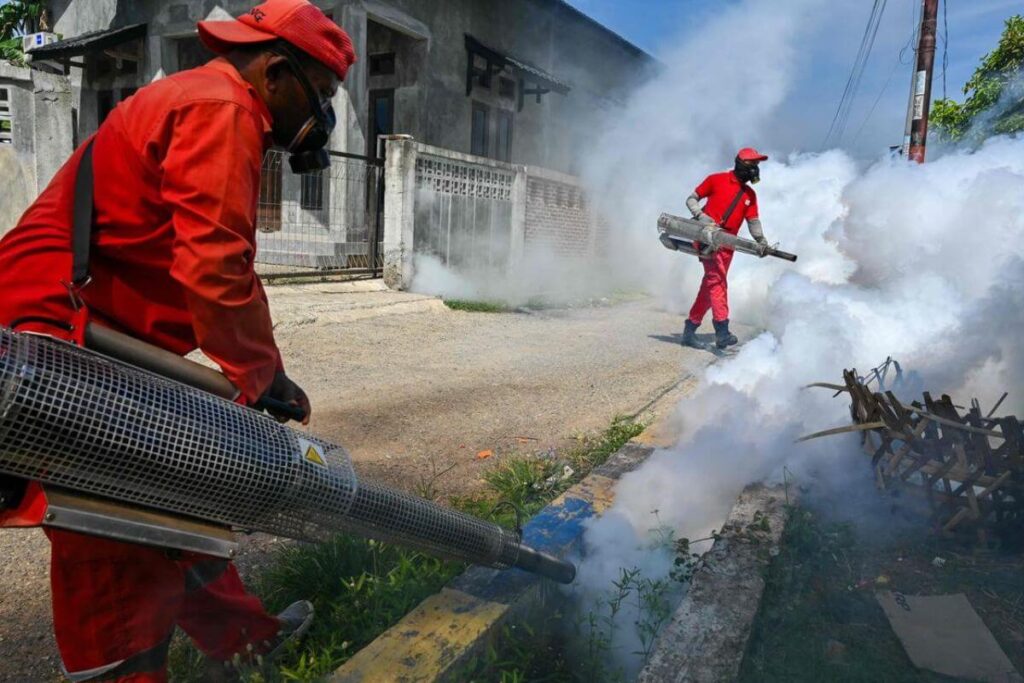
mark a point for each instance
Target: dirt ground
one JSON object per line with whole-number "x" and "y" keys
{"x": 413, "y": 389}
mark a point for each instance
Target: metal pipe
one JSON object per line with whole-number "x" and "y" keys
{"x": 679, "y": 234}
{"x": 159, "y": 361}
{"x": 167, "y": 364}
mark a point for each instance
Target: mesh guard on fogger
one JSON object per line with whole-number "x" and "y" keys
{"x": 73, "y": 418}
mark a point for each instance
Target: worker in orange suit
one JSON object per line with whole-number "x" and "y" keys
{"x": 176, "y": 177}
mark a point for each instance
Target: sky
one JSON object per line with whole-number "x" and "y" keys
{"x": 974, "y": 29}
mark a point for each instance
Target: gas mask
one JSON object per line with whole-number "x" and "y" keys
{"x": 306, "y": 148}
{"x": 747, "y": 172}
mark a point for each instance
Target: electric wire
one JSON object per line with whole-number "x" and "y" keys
{"x": 853, "y": 70}
{"x": 899, "y": 61}
{"x": 841, "y": 117}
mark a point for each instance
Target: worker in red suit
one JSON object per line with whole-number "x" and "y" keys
{"x": 176, "y": 172}
{"x": 730, "y": 201}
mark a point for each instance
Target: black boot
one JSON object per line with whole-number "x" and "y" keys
{"x": 723, "y": 337}
{"x": 690, "y": 336}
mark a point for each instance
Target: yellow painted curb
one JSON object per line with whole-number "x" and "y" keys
{"x": 426, "y": 642}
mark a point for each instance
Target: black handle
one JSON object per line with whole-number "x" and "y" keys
{"x": 281, "y": 408}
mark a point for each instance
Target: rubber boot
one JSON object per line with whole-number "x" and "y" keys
{"x": 690, "y": 336}
{"x": 723, "y": 337}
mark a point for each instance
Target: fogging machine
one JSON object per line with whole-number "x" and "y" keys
{"x": 155, "y": 452}
{"x": 681, "y": 234}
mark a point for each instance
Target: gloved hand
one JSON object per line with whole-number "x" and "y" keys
{"x": 706, "y": 219}
{"x": 284, "y": 390}
{"x": 763, "y": 243}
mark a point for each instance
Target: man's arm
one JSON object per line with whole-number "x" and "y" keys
{"x": 693, "y": 202}
{"x": 211, "y": 181}
{"x": 756, "y": 231}
{"x": 754, "y": 225}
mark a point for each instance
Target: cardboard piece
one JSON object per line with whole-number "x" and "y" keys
{"x": 943, "y": 633}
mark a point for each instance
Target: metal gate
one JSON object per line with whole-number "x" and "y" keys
{"x": 329, "y": 221}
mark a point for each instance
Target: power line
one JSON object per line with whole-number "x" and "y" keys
{"x": 910, "y": 44}
{"x": 860, "y": 74}
{"x": 841, "y": 117}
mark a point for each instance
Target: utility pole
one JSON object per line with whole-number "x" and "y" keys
{"x": 923, "y": 82}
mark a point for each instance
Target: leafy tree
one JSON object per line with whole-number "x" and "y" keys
{"x": 995, "y": 93}
{"x": 17, "y": 18}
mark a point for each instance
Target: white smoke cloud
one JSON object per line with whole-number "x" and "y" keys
{"x": 923, "y": 263}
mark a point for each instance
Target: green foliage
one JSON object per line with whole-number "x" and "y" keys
{"x": 995, "y": 93}
{"x": 17, "y": 18}
{"x": 477, "y": 306}
{"x": 359, "y": 588}
{"x": 811, "y": 597}
{"x": 593, "y": 451}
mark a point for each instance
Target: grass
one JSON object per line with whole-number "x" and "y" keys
{"x": 527, "y": 483}
{"x": 361, "y": 588}
{"x": 477, "y": 306}
{"x": 819, "y": 619}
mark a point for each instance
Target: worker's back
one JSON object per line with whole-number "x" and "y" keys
{"x": 176, "y": 184}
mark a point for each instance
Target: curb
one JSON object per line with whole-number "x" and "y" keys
{"x": 707, "y": 637}
{"x": 447, "y": 630}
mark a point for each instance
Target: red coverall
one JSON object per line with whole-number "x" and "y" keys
{"x": 720, "y": 189}
{"x": 177, "y": 169}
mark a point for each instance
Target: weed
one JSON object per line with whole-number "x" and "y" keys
{"x": 477, "y": 306}
{"x": 359, "y": 589}
{"x": 593, "y": 451}
{"x": 810, "y": 598}
{"x": 522, "y": 481}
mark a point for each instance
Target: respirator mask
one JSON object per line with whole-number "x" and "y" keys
{"x": 747, "y": 172}
{"x": 306, "y": 148}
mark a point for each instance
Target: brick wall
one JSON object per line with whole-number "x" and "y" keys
{"x": 557, "y": 217}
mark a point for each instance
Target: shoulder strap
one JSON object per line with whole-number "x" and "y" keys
{"x": 732, "y": 206}
{"x": 82, "y": 219}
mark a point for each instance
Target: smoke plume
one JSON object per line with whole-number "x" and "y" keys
{"x": 922, "y": 263}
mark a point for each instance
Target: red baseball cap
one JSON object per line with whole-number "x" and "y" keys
{"x": 296, "y": 21}
{"x": 751, "y": 154}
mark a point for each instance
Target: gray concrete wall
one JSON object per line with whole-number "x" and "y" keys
{"x": 41, "y": 132}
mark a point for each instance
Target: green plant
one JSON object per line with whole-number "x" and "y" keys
{"x": 995, "y": 93}
{"x": 594, "y": 451}
{"x": 477, "y": 306}
{"x": 18, "y": 17}
{"x": 359, "y": 588}
{"x": 522, "y": 481}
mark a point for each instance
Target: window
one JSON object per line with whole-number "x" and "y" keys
{"x": 478, "y": 140}
{"x": 507, "y": 88}
{"x": 382, "y": 65}
{"x": 481, "y": 71}
{"x": 6, "y": 117}
{"x": 382, "y": 118}
{"x": 312, "y": 198}
{"x": 503, "y": 143}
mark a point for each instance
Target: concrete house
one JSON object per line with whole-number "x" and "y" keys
{"x": 514, "y": 81}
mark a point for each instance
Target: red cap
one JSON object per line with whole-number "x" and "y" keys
{"x": 296, "y": 21}
{"x": 751, "y": 154}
